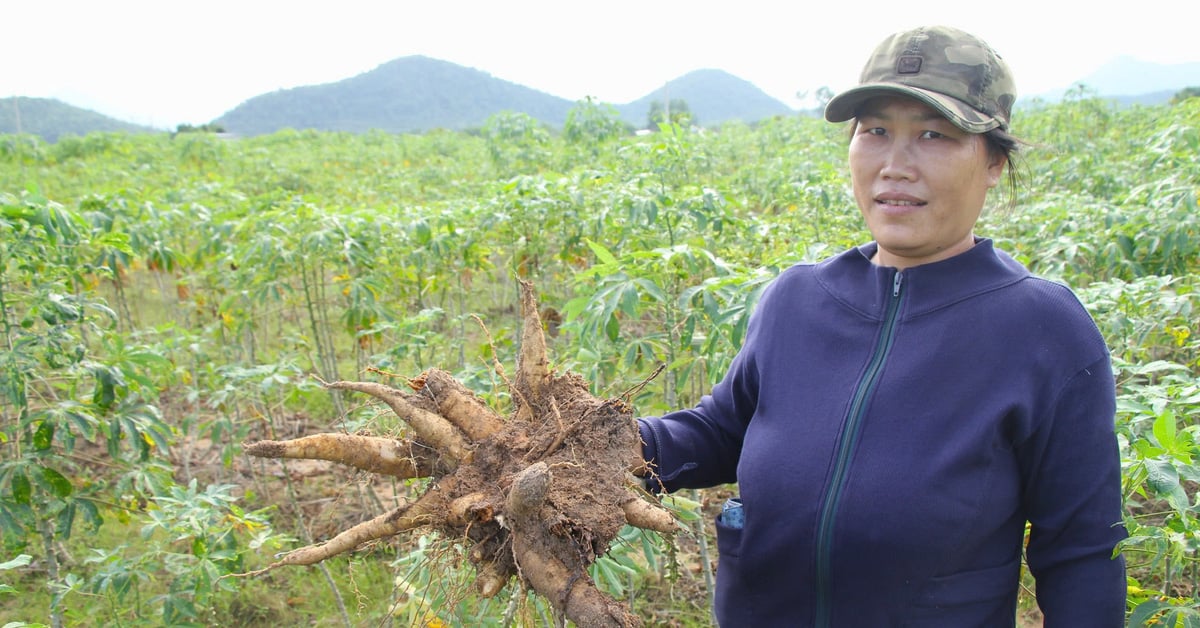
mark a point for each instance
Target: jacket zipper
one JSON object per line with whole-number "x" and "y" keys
{"x": 846, "y": 446}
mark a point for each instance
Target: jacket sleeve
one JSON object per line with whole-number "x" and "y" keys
{"x": 1072, "y": 494}
{"x": 701, "y": 446}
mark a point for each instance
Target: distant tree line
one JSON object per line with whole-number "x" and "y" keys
{"x": 210, "y": 127}
{"x": 1184, "y": 94}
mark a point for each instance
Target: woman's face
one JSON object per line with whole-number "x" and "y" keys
{"x": 919, "y": 181}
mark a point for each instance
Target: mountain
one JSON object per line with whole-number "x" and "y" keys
{"x": 403, "y": 95}
{"x": 413, "y": 94}
{"x": 713, "y": 96}
{"x": 419, "y": 93}
{"x": 1129, "y": 76}
{"x": 1128, "y": 80}
{"x": 51, "y": 119}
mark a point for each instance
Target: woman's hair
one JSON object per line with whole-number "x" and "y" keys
{"x": 1001, "y": 143}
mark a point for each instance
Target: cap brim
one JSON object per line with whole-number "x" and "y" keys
{"x": 845, "y": 105}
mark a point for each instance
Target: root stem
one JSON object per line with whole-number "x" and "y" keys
{"x": 431, "y": 429}
{"x": 387, "y": 456}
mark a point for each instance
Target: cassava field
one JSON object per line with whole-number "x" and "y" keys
{"x": 389, "y": 380}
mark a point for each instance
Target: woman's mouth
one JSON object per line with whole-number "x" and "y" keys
{"x": 898, "y": 203}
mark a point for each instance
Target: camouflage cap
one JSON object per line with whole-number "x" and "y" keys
{"x": 952, "y": 71}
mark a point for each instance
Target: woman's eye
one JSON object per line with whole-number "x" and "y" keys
{"x": 878, "y": 130}
{"x": 931, "y": 135}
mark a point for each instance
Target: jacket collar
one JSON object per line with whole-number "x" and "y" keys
{"x": 852, "y": 279}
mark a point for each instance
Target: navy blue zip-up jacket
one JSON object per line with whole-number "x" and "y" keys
{"x": 891, "y": 432}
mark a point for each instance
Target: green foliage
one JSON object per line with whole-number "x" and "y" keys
{"x": 22, "y": 150}
{"x": 199, "y": 537}
{"x": 71, "y": 382}
{"x": 19, "y": 561}
{"x": 517, "y": 142}
{"x": 592, "y": 122}
{"x": 675, "y": 111}
{"x": 56, "y": 394}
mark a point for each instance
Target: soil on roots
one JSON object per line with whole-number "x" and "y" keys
{"x": 539, "y": 495}
{"x": 586, "y": 444}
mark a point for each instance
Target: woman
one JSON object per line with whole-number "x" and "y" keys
{"x": 900, "y": 411}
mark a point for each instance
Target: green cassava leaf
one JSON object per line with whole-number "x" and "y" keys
{"x": 21, "y": 488}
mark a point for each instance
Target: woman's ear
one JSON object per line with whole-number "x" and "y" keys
{"x": 995, "y": 168}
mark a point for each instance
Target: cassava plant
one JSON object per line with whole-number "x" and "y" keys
{"x": 540, "y": 495}
{"x": 68, "y": 383}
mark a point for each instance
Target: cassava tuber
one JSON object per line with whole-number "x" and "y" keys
{"x": 539, "y": 495}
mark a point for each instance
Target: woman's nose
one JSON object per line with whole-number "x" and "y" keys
{"x": 898, "y": 161}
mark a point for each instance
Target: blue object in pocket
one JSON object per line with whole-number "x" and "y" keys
{"x": 732, "y": 513}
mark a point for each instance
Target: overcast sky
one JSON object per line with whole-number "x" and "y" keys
{"x": 167, "y": 62}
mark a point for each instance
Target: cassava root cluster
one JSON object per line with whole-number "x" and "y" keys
{"x": 538, "y": 495}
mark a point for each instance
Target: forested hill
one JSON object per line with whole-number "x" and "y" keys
{"x": 419, "y": 93}
{"x": 712, "y": 96}
{"x": 403, "y": 95}
{"x": 411, "y": 94}
{"x": 51, "y": 119}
